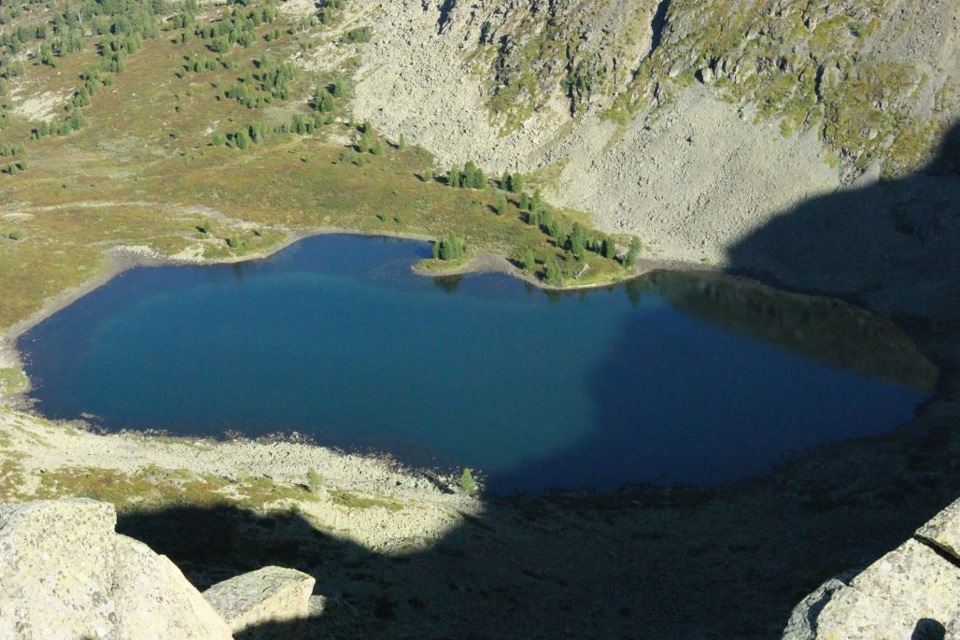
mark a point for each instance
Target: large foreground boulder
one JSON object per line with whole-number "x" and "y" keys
{"x": 268, "y": 603}
{"x": 912, "y": 592}
{"x": 65, "y": 573}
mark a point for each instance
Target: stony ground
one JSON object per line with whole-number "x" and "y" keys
{"x": 399, "y": 553}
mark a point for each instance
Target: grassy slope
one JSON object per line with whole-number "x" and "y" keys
{"x": 143, "y": 171}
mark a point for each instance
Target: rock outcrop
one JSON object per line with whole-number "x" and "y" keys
{"x": 267, "y": 603}
{"x": 65, "y": 573}
{"x": 912, "y": 592}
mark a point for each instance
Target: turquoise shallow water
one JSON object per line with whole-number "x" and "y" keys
{"x": 336, "y": 338}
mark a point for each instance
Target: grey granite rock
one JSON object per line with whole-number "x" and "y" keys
{"x": 65, "y": 573}
{"x": 268, "y": 603}
{"x": 912, "y": 592}
{"x": 943, "y": 530}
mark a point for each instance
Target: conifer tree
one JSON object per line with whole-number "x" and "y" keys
{"x": 631, "y": 258}
{"x": 501, "y": 208}
{"x": 454, "y": 179}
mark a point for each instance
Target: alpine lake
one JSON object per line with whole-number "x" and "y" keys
{"x": 686, "y": 378}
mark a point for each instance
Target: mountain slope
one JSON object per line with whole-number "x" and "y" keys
{"x": 688, "y": 122}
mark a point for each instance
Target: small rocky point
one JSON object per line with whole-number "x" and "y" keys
{"x": 66, "y": 573}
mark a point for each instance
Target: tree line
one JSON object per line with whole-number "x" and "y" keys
{"x": 574, "y": 239}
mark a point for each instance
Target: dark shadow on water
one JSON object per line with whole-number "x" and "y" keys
{"x": 827, "y": 330}
{"x": 893, "y": 246}
{"x": 668, "y": 410}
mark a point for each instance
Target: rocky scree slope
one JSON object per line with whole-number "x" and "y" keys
{"x": 687, "y": 122}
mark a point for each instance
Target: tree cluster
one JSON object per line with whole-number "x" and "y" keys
{"x": 74, "y": 123}
{"x": 470, "y": 177}
{"x": 235, "y": 27}
{"x": 18, "y": 153}
{"x": 329, "y": 10}
{"x": 302, "y": 125}
{"x": 13, "y": 150}
{"x": 357, "y": 35}
{"x": 512, "y": 182}
{"x": 369, "y": 141}
{"x": 196, "y": 64}
{"x": 324, "y": 98}
{"x": 241, "y": 139}
{"x": 449, "y": 248}
{"x": 269, "y": 83}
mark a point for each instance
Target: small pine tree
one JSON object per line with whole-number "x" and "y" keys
{"x": 365, "y": 144}
{"x": 576, "y": 246}
{"x": 525, "y": 202}
{"x": 256, "y": 133}
{"x": 467, "y": 484}
{"x": 454, "y": 179}
{"x": 552, "y": 272}
{"x": 631, "y": 258}
{"x": 554, "y": 230}
{"x": 608, "y": 249}
{"x": 501, "y": 207}
{"x": 546, "y": 219}
{"x": 241, "y": 139}
{"x": 527, "y": 259}
{"x": 314, "y": 480}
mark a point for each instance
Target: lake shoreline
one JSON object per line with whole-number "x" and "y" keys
{"x": 122, "y": 258}
{"x": 408, "y": 527}
{"x": 840, "y": 504}
{"x": 183, "y": 414}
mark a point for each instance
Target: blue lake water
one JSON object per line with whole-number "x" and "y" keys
{"x": 335, "y": 337}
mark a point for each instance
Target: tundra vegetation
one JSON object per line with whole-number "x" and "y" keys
{"x": 192, "y": 131}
